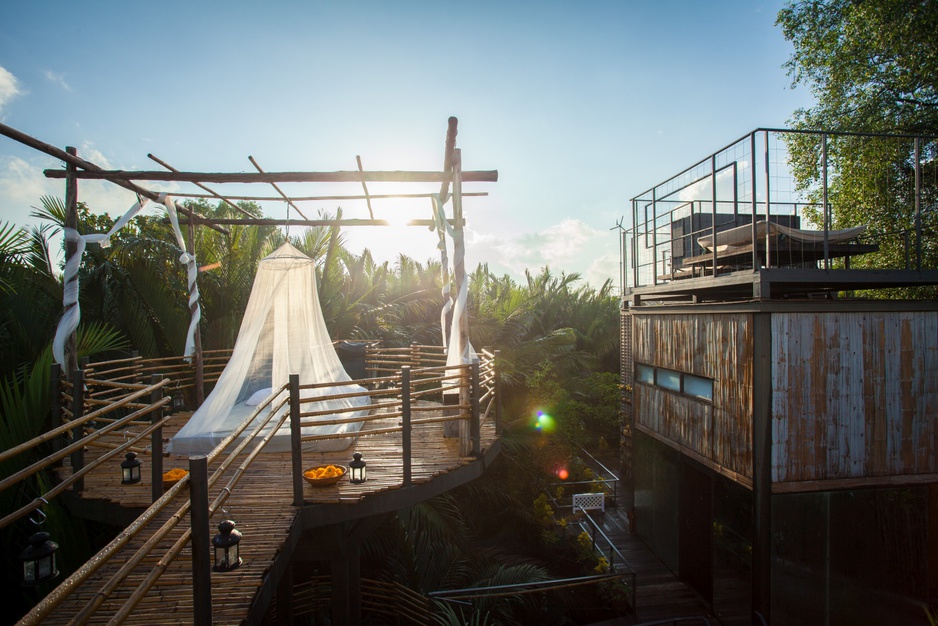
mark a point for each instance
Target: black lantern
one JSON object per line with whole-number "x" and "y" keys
{"x": 356, "y": 469}
{"x": 226, "y": 547}
{"x": 179, "y": 402}
{"x": 130, "y": 469}
{"x": 39, "y": 560}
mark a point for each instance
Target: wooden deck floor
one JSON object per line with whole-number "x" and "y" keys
{"x": 261, "y": 505}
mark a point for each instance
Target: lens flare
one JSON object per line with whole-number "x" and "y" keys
{"x": 544, "y": 422}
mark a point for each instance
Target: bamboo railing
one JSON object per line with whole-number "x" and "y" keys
{"x": 107, "y": 398}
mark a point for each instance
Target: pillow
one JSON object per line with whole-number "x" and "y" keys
{"x": 259, "y": 396}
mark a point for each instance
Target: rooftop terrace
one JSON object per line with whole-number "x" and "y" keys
{"x": 768, "y": 216}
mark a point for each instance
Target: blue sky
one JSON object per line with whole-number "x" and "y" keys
{"x": 579, "y": 105}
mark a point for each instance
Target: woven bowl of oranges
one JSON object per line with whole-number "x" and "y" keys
{"x": 324, "y": 475}
{"x": 172, "y": 477}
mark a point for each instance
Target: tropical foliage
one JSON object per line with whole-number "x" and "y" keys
{"x": 558, "y": 340}
{"x": 872, "y": 68}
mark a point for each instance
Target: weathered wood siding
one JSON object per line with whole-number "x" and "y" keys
{"x": 854, "y": 395}
{"x": 716, "y": 346}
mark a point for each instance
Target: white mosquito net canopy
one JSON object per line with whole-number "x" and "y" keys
{"x": 282, "y": 333}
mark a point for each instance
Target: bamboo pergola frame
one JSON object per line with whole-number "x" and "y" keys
{"x": 450, "y": 176}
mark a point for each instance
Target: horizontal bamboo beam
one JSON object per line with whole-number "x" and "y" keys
{"x": 62, "y": 155}
{"x": 381, "y": 196}
{"x": 264, "y": 221}
{"x": 482, "y": 176}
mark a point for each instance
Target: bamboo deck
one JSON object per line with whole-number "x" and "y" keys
{"x": 262, "y": 506}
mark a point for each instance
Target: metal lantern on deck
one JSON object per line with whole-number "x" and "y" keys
{"x": 130, "y": 469}
{"x": 39, "y": 560}
{"x": 225, "y": 544}
{"x": 356, "y": 469}
{"x": 179, "y": 402}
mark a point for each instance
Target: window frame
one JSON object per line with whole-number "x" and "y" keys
{"x": 682, "y": 377}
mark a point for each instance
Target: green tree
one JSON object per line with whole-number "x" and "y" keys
{"x": 873, "y": 68}
{"x": 872, "y": 65}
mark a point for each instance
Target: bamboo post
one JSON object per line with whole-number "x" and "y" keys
{"x": 498, "y": 391}
{"x": 71, "y": 247}
{"x": 197, "y": 357}
{"x": 55, "y": 405}
{"x": 296, "y": 451}
{"x": 70, "y": 158}
{"x": 201, "y": 548}
{"x": 405, "y": 423}
{"x": 474, "y": 424}
{"x": 78, "y": 406}
{"x": 156, "y": 441}
{"x": 459, "y": 271}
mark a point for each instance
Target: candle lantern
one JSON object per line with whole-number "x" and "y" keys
{"x": 130, "y": 469}
{"x": 356, "y": 469}
{"x": 39, "y": 560}
{"x": 226, "y": 545}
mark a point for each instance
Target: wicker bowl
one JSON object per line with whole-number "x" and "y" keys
{"x": 325, "y": 481}
{"x": 170, "y": 479}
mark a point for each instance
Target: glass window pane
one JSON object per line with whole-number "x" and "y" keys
{"x": 644, "y": 374}
{"x": 668, "y": 379}
{"x": 700, "y": 387}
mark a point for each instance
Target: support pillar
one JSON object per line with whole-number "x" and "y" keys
{"x": 762, "y": 469}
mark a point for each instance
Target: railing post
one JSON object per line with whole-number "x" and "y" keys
{"x": 296, "y": 451}
{"x": 824, "y": 200}
{"x": 498, "y": 391}
{"x": 78, "y": 432}
{"x": 918, "y": 203}
{"x": 405, "y": 423}
{"x": 55, "y": 404}
{"x": 201, "y": 549}
{"x": 135, "y": 354}
{"x": 156, "y": 441}
{"x": 414, "y": 354}
{"x": 474, "y": 418}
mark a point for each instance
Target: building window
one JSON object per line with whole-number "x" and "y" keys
{"x": 645, "y": 374}
{"x": 668, "y": 379}
{"x": 678, "y": 382}
{"x": 698, "y": 387}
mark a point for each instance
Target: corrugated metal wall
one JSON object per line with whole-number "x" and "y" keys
{"x": 716, "y": 346}
{"x": 854, "y": 395}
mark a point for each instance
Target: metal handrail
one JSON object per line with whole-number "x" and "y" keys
{"x": 613, "y": 550}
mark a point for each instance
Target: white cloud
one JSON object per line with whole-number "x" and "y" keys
{"x": 22, "y": 183}
{"x": 89, "y": 153}
{"x": 9, "y": 87}
{"x": 58, "y": 79}
{"x": 21, "y": 186}
{"x": 571, "y": 246}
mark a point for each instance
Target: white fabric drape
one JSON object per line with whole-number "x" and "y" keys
{"x": 454, "y": 356}
{"x": 192, "y": 273}
{"x": 72, "y": 314}
{"x": 443, "y": 228}
{"x": 283, "y": 332}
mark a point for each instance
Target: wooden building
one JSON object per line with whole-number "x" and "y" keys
{"x": 782, "y": 434}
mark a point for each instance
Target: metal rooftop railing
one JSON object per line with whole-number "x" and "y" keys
{"x": 794, "y": 182}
